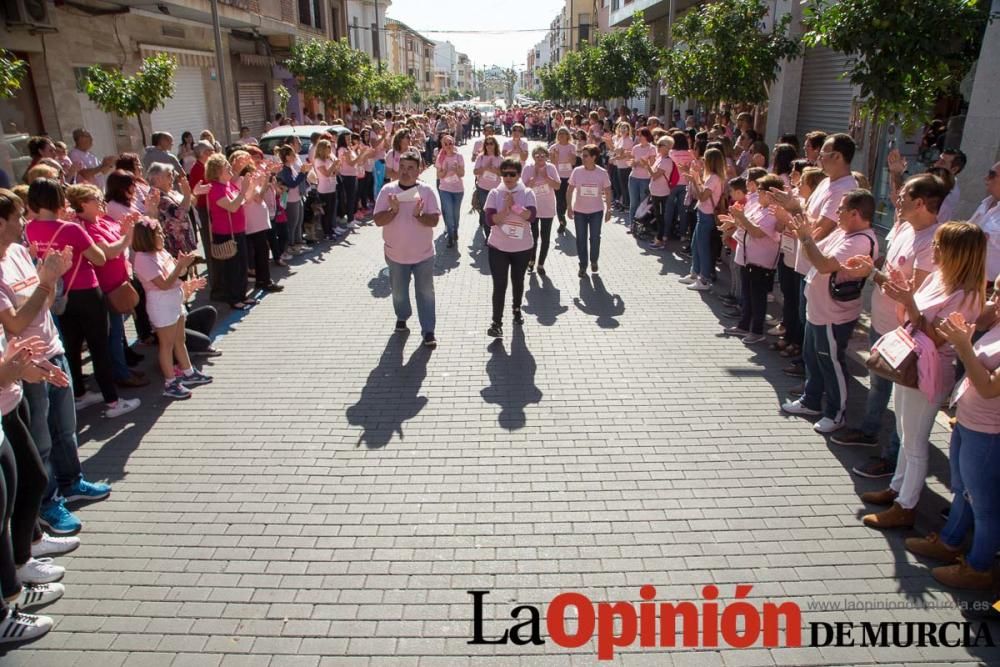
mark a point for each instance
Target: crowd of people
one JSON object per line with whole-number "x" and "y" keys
{"x": 88, "y": 242}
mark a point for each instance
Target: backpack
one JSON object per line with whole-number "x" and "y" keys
{"x": 675, "y": 175}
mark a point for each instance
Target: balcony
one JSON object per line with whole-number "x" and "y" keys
{"x": 621, "y": 13}
{"x": 264, "y": 16}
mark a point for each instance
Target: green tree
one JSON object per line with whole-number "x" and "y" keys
{"x": 723, "y": 54}
{"x": 12, "y": 70}
{"x": 282, "y": 95}
{"x": 622, "y": 61}
{"x": 146, "y": 90}
{"x": 388, "y": 88}
{"x": 551, "y": 88}
{"x": 508, "y": 77}
{"x": 331, "y": 70}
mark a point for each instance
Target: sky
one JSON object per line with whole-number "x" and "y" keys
{"x": 491, "y": 46}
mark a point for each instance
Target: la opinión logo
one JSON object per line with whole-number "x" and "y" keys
{"x": 707, "y": 623}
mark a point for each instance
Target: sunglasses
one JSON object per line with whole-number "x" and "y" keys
{"x": 512, "y": 174}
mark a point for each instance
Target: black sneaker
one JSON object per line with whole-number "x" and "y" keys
{"x": 518, "y": 318}
{"x": 875, "y": 468}
{"x": 451, "y": 242}
{"x": 401, "y": 326}
{"x": 593, "y": 267}
{"x": 852, "y": 437}
{"x": 531, "y": 266}
{"x": 495, "y": 330}
{"x": 583, "y": 272}
{"x": 562, "y": 228}
{"x": 430, "y": 340}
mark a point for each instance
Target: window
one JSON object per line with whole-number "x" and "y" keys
{"x": 318, "y": 14}
{"x": 305, "y": 12}
{"x": 409, "y": 45}
{"x": 411, "y": 73}
{"x": 427, "y": 77}
{"x": 376, "y": 47}
{"x": 584, "y": 24}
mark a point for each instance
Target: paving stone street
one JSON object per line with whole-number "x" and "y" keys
{"x": 333, "y": 495}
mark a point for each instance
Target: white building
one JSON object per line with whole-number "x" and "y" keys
{"x": 445, "y": 67}
{"x": 365, "y": 20}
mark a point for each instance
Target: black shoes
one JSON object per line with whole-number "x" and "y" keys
{"x": 593, "y": 267}
{"x": 583, "y": 272}
{"x": 430, "y": 340}
{"x": 401, "y": 326}
{"x": 451, "y": 242}
{"x": 518, "y": 318}
{"x": 495, "y": 330}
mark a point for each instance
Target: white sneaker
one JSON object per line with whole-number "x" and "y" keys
{"x": 827, "y": 425}
{"x": 688, "y": 279}
{"x": 352, "y": 225}
{"x": 54, "y": 546}
{"x": 699, "y": 286}
{"x": 18, "y": 627}
{"x": 285, "y": 257}
{"x": 796, "y": 408}
{"x": 776, "y": 331}
{"x": 38, "y": 595}
{"x": 88, "y": 399}
{"x": 122, "y": 407}
{"x": 40, "y": 571}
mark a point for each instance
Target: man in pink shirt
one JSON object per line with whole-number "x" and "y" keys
{"x": 407, "y": 212}
{"x": 830, "y": 320}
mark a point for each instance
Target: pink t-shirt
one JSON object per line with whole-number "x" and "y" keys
{"x": 11, "y": 394}
{"x": 56, "y": 235}
{"x": 511, "y": 233}
{"x": 712, "y": 184}
{"x": 509, "y": 147}
{"x": 642, "y": 152}
{"x": 623, "y": 144}
{"x": 762, "y": 251}
{"x": 488, "y": 180}
{"x": 589, "y": 187}
{"x": 392, "y": 161}
{"x": 115, "y": 270}
{"x": 682, "y": 159}
{"x": 152, "y": 265}
{"x": 907, "y": 251}
{"x": 407, "y": 241}
{"x": 660, "y": 186}
{"x": 564, "y": 157}
{"x": 18, "y": 281}
{"x": 325, "y": 184}
{"x": 221, "y": 217}
{"x": 345, "y": 154}
{"x": 823, "y": 203}
{"x": 452, "y": 182}
{"x": 935, "y": 303}
{"x": 821, "y": 309}
{"x": 975, "y": 412}
{"x": 545, "y": 196}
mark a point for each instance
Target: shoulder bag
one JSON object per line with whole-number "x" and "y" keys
{"x": 850, "y": 290}
{"x": 894, "y": 357}
{"x": 226, "y": 249}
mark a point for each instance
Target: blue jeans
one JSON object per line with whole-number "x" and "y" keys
{"x": 876, "y": 404}
{"x": 701, "y": 247}
{"x": 451, "y": 209}
{"x": 53, "y": 428}
{"x": 638, "y": 189}
{"x": 975, "y": 481}
{"x": 588, "y": 224}
{"x": 116, "y": 346}
{"x": 824, "y": 350}
{"x": 483, "y": 194}
{"x": 423, "y": 286}
{"x": 674, "y": 208}
{"x": 379, "y": 175}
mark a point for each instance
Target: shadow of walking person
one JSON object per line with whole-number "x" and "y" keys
{"x": 595, "y": 300}
{"x": 512, "y": 381}
{"x": 445, "y": 258}
{"x": 380, "y": 286}
{"x": 543, "y": 300}
{"x": 391, "y": 396}
{"x": 479, "y": 253}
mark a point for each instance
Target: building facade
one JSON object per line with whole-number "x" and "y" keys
{"x": 366, "y": 26}
{"x": 412, "y": 54}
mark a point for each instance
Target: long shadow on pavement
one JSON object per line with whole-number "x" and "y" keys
{"x": 542, "y": 300}
{"x": 391, "y": 396}
{"x": 512, "y": 381}
{"x": 595, "y": 300}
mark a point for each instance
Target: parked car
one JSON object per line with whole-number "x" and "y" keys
{"x": 17, "y": 150}
{"x": 488, "y": 112}
{"x": 280, "y": 135}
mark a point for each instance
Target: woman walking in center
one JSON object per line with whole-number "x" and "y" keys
{"x": 487, "y": 172}
{"x": 587, "y": 185}
{"x": 563, "y": 154}
{"x": 450, "y": 172}
{"x": 543, "y": 180}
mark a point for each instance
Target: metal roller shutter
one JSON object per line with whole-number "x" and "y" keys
{"x": 253, "y": 112}
{"x": 186, "y": 111}
{"x": 825, "y": 97}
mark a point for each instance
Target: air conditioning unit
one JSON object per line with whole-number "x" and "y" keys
{"x": 28, "y": 14}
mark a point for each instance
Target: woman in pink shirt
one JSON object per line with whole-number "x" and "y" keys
{"x": 487, "y": 172}
{"x": 225, "y": 210}
{"x": 517, "y": 145}
{"x": 122, "y": 196}
{"x": 706, "y": 188}
{"x": 975, "y": 475}
{"x": 589, "y": 195}
{"x": 350, "y": 160}
{"x": 510, "y": 210}
{"x": 643, "y": 155}
{"x": 543, "y": 180}
{"x": 86, "y": 315}
{"x": 659, "y": 187}
{"x": 621, "y": 164}
{"x": 563, "y": 155}
{"x": 450, "y": 171}
{"x": 400, "y": 145}
{"x": 958, "y": 285}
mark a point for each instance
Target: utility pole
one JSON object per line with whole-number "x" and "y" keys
{"x": 226, "y": 129}
{"x": 378, "y": 38}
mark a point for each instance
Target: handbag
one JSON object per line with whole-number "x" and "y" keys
{"x": 226, "y": 249}
{"x": 476, "y": 204}
{"x": 894, "y": 357}
{"x": 849, "y": 290}
{"x": 123, "y": 299}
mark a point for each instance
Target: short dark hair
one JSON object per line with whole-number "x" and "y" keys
{"x": 792, "y": 139}
{"x": 843, "y": 144}
{"x": 738, "y": 183}
{"x": 157, "y": 137}
{"x": 144, "y": 238}
{"x": 958, "y": 157}
{"x": 768, "y": 181}
{"x": 756, "y": 173}
{"x": 46, "y": 193}
{"x": 752, "y": 135}
{"x": 510, "y": 163}
{"x": 784, "y": 155}
{"x": 862, "y": 201}
{"x": 928, "y": 188}
{"x": 680, "y": 140}
{"x": 36, "y": 144}
{"x": 410, "y": 155}
{"x": 129, "y": 162}
{"x": 118, "y": 184}
{"x": 815, "y": 139}
{"x": 645, "y": 132}
{"x": 800, "y": 165}
{"x": 10, "y": 204}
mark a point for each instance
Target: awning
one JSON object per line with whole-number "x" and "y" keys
{"x": 255, "y": 60}
{"x": 185, "y": 57}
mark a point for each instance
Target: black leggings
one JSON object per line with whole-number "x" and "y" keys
{"x": 350, "y": 187}
{"x": 789, "y": 281}
{"x": 561, "y": 200}
{"x": 198, "y": 328}
{"x": 257, "y": 245}
{"x": 86, "y": 319}
{"x": 755, "y": 283}
{"x": 31, "y": 482}
{"x": 329, "y": 200}
{"x": 234, "y": 269}
{"x": 9, "y": 583}
{"x": 366, "y": 190}
{"x": 546, "y": 229}
{"x": 502, "y": 263}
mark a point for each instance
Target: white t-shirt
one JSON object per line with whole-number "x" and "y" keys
{"x": 325, "y": 184}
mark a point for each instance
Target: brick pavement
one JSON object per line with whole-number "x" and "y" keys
{"x": 332, "y": 496}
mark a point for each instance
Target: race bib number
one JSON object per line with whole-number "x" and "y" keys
{"x": 542, "y": 189}
{"x": 513, "y": 231}
{"x": 565, "y": 167}
{"x": 895, "y": 346}
{"x": 788, "y": 244}
{"x": 452, "y": 179}
{"x": 590, "y": 191}
{"x": 489, "y": 179}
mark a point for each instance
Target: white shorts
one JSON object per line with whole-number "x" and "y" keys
{"x": 164, "y": 307}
